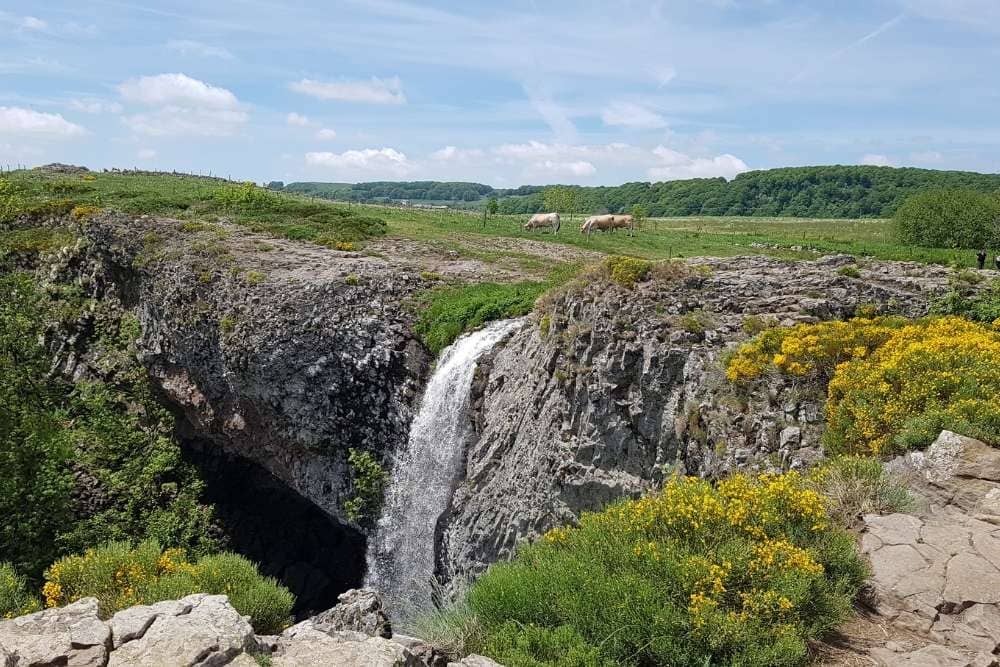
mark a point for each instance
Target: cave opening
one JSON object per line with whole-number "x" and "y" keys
{"x": 289, "y": 537}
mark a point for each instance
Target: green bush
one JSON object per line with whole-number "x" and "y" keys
{"x": 368, "y": 480}
{"x": 15, "y": 599}
{"x": 743, "y": 573}
{"x": 450, "y": 311}
{"x": 627, "y": 271}
{"x": 859, "y": 485}
{"x": 120, "y": 576}
{"x": 949, "y": 218}
{"x": 961, "y": 299}
{"x": 849, "y": 272}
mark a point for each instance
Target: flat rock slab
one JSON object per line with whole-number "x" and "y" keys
{"x": 937, "y": 571}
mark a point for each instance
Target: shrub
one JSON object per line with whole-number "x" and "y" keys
{"x": 368, "y": 484}
{"x": 352, "y": 279}
{"x": 345, "y": 246}
{"x": 949, "y": 218}
{"x": 246, "y": 197}
{"x": 120, "y": 575}
{"x": 743, "y": 573}
{"x": 810, "y": 350}
{"x": 858, "y": 485}
{"x": 15, "y": 600}
{"x": 696, "y": 322}
{"x": 849, "y": 272}
{"x": 982, "y": 305}
{"x": 627, "y": 271}
{"x": 927, "y": 376}
{"x": 253, "y": 277}
{"x": 84, "y": 212}
{"x": 450, "y": 311}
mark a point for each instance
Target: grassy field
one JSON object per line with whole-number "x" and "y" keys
{"x": 296, "y": 217}
{"x": 668, "y": 238}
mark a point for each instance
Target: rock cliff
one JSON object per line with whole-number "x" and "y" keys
{"x": 613, "y": 388}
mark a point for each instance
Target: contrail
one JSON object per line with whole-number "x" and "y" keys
{"x": 853, "y": 45}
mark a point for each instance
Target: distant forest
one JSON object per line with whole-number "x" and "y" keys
{"x": 814, "y": 192}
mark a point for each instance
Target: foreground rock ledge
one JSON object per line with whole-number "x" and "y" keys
{"x": 205, "y": 631}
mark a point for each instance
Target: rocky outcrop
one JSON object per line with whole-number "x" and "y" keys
{"x": 205, "y": 631}
{"x": 615, "y": 388}
{"x": 936, "y": 569}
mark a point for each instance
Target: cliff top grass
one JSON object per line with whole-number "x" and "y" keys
{"x": 38, "y": 194}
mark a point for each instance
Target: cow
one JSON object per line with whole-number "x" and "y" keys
{"x": 608, "y": 223}
{"x": 624, "y": 222}
{"x": 539, "y": 220}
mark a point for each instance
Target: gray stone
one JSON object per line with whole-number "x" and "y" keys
{"x": 70, "y": 636}
{"x": 475, "y": 661}
{"x": 790, "y": 436}
{"x": 205, "y": 631}
{"x": 308, "y": 647}
{"x": 360, "y": 610}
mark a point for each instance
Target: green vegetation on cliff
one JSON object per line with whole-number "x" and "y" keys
{"x": 745, "y": 572}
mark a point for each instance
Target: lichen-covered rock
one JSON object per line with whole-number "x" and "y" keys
{"x": 70, "y": 636}
{"x": 618, "y": 387}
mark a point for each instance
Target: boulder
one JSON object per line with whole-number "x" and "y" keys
{"x": 302, "y": 646}
{"x": 70, "y": 636}
{"x": 359, "y": 610}
{"x": 199, "y": 630}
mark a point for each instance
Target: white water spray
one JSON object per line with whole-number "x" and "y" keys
{"x": 401, "y": 554}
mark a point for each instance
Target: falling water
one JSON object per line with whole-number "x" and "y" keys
{"x": 401, "y": 555}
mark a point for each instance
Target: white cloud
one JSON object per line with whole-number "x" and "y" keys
{"x": 628, "y": 114}
{"x": 383, "y": 161}
{"x": 674, "y": 165}
{"x": 326, "y": 134}
{"x": 92, "y": 105}
{"x": 146, "y": 154}
{"x": 21, "y": 121}
{"x": 179, "y": 90}
{"x": 375, "y": 91}
{"x": 297, "y": 119}
{"x": 183, "y": 107}
{"x": 552, "y": 167}
{"x": 172, "y": 121}
{"x": 33, "y": 23}
{"x": 453, "y": 154}
{"x": 190, "y": 47}
{"x": 876, "y": 160}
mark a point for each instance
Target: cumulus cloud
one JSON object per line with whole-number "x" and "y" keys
{"x": 326, "y": 134}
{"x": 297, "y": 119}
{"x": 627, "y": 114}
{"x": 877, "y": 160}
{"x": 553, "y": 167}
{"x": 33, "y": 23}
{"x": 673, "y": 165}
{"x": 453, "y": 154}
{"x": 92, "y": 105}
{"x": 384, "y": 161}
{"x": 21, "y": 121}
{"x": 177, "y": 89}
{"x": 183, "y": 107}
{"x": 190, "y": 47}
{"x": 375, "y": 91}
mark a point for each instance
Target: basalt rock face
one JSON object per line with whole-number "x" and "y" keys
{"x": 283, "y": 354}
{"x": 614, "y": 388}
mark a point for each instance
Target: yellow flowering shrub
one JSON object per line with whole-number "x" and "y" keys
{"x": 744, "y": 572}
{"x": 120, "y": 575}
{"x": 929, "y": 375}
{"x": 810, "y": 350}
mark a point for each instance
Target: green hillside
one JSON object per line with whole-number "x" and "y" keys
{"x": 813, "y": 192}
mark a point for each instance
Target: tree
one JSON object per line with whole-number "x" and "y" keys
{"x": 491, "y": 208}
{"x": 560, "y": 199}
{"x": 639, "y": 214}
{"x": 949, "y": 218}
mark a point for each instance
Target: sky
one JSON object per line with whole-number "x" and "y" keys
{"x": 511, "y": 93}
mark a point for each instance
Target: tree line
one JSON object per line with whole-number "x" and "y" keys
{"x": 815, "y": 192}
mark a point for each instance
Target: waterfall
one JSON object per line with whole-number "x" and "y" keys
{"x": 401, "y": 555}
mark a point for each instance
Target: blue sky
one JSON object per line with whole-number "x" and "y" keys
{"x": 503, "y": 93}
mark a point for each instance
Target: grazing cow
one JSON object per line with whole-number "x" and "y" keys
{"x": 539, "y": 220}
{"x": 624, "y": 222}
{"x": 597, "y": 223}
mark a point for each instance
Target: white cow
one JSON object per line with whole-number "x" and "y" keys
{"x": 539, "y": 220}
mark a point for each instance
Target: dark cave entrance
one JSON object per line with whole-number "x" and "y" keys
{"x": 290, "y": 538}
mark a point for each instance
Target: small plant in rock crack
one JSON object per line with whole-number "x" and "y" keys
{"x": 368, "y": 479}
